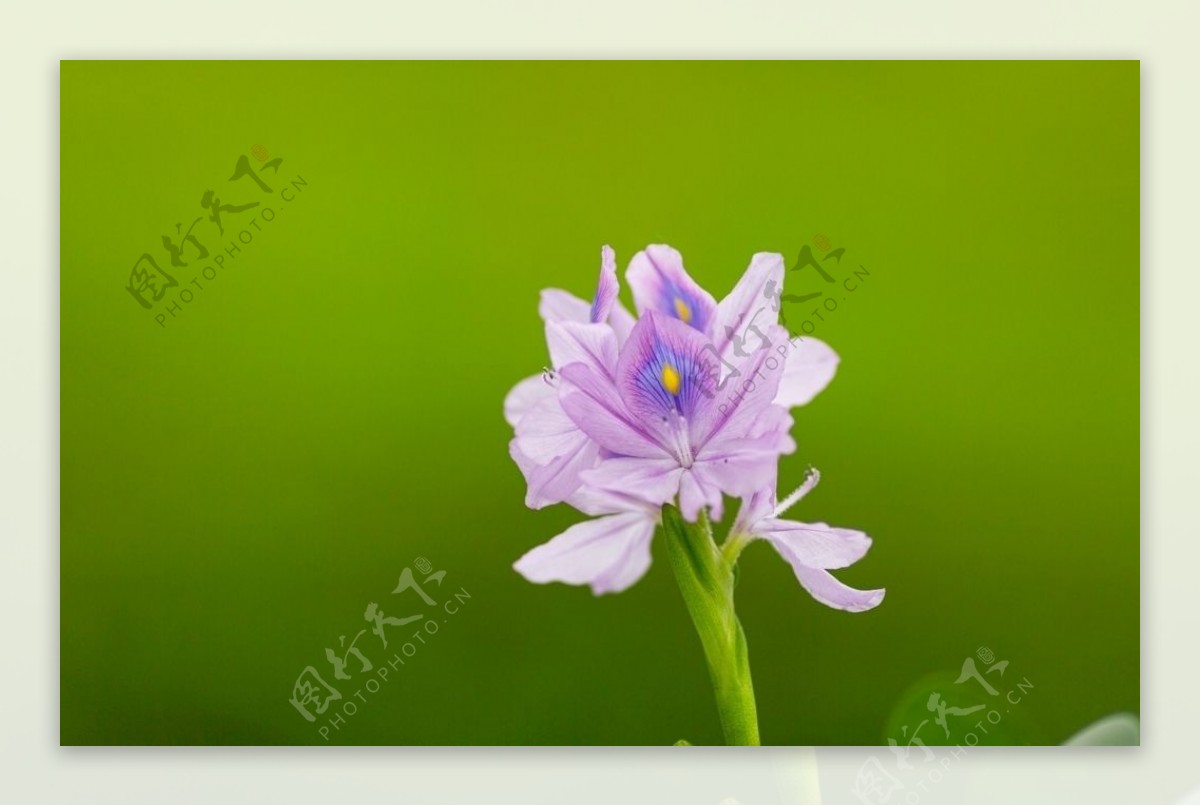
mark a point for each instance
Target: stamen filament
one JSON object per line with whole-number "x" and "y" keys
{"x": 683, "y": 443}
{"x": 810, "y": 481}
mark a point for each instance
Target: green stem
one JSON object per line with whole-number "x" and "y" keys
{"x": 705, "y": 577}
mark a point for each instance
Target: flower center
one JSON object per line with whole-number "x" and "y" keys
{"x": 683, "y": 310}
{"x": 670, "y": 379}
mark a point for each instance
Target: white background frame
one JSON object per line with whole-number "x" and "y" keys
{"x": 1163, "y": 35}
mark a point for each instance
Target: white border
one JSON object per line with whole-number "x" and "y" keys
{"x": 1162, "y": 34}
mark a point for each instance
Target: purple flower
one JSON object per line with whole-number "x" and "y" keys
{"x": 688, "y": 403}
{"x": 664, "y": 432}
{"x": 810, "y": 548}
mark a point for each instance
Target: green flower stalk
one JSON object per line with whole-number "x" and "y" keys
{"x": 706, "y": 577}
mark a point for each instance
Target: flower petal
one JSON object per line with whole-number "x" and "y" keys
{"x": 556, "y": 480}
{"x": 595, "y": 501}
{"x": 621, "y": 321}
{"x": 737, "y": 474}
{"x": 609, "y": 553}
{"x": 746, "y": 308}
{"x": 767, "y": 430}
{"x": 524, "y": 396}
{"x": 660, "y": 283}
{"x": 655, "y": 481}
{"x": 557, "y": 305}
{"x": 697, "y": 489}
{"x": 814, "y": 545}
{"x": 606, "y": 287}
{"x": 591, "y": 400}
{"x": 754, "y": 508}
{"x": 743, "y": 396}
{"x": 808, "y": 368}
{"x": 664, "y": 373}
{"x": 823, "y": 587}
{"x": 592, "y": 344}
{"x": 546, "y": 432}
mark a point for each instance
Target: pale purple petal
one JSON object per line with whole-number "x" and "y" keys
{"x": 768, "y": 430}
{"x": 660, "y": 283}
{"x": 697, "y": 489}
{"x": 524, "y": 396}
{"x": 741, "y": 398}
{"x": 814, "y": 545}
{"x": 743, "y": 466}
{"x": 823, "y": 587}
{"x": 572, "y": 342}
{"x": 606, "y": 286}
{"x": 557, "y": 305}
{"x": 546, "y": 432}
{"x": 737, "y": 474}
{"x": 664, "y": 374}
{"x": 754, "y": 508}
{"x": 594, "y": 501}
{"x": 591, "y": 400}
{"x": 609, "y": 554}
{"x": 746, "y": 309}
{"x": 524, "y": 463}
{"x": 808, "y": 368}
{"x": 621, "y": 321}
{"x": 655, "y": 481}
{"x": 557, "y": 480}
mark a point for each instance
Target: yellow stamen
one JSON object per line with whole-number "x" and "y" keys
{"x": 683, "y": 310}
{"x": 670, "y": 379}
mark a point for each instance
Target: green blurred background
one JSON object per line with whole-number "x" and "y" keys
{"x": 238, "y": 485}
